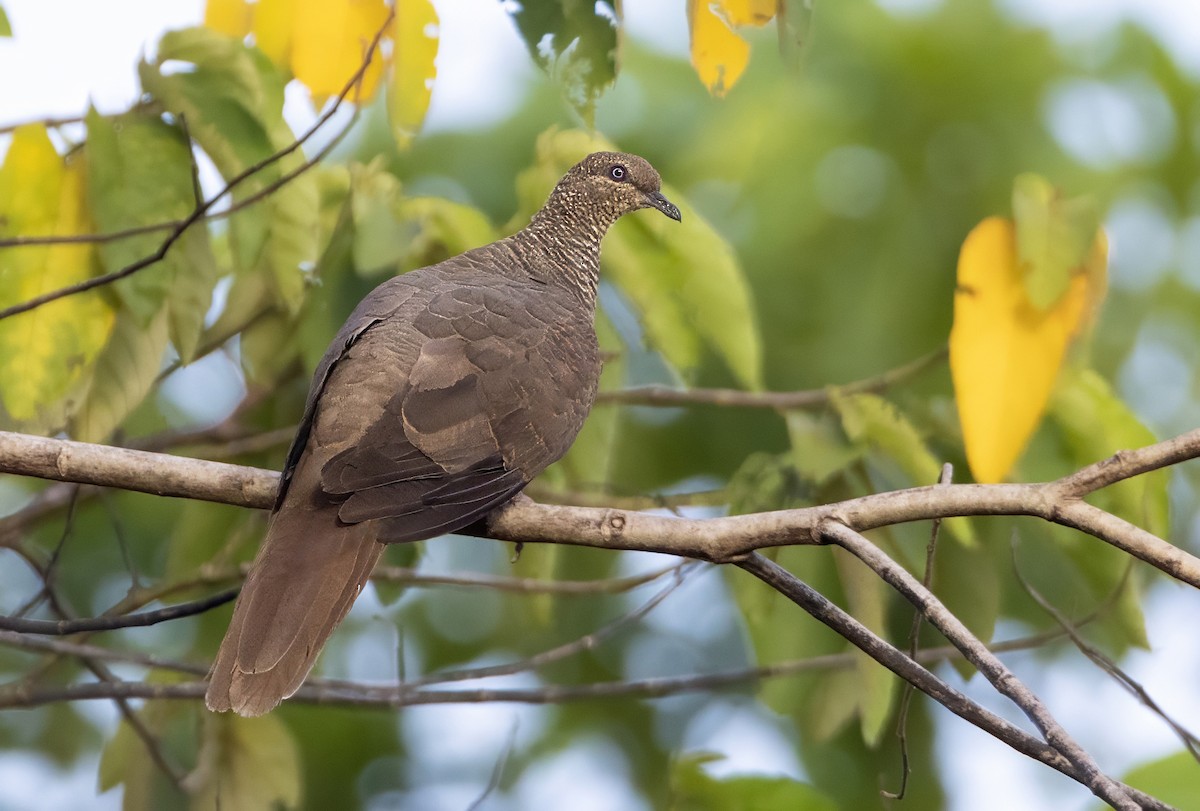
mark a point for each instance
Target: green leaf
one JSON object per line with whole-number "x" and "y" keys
{"x": 193, "y": 542}
{"x": 249, "y": 299}
{"x": 1053, "y": 236}
{"x": 682, "y": 278}
{"x": 878, "y": 424}
{"x": 966, "y": 578}
{"x": 140, "y": 173}
{"x": 540, "y": 561}
{"x": 378, "y": 241}
{"x": 47, "y": 355}
{"x": 233, "y": 107}
{"x": 1094, "y": 423}
{"x": 120, "y": 764}
{"x": 819, "y": 449}
{"x": 256, "y": 765}
{"x": 5, "y": 26}
{"x": 875, "y": 423}
{"x": 269, "y": 346}
{"x": 1172, "y": 779}
{"x": 232, "y": 101}
{"x": 190, "y": 298}
{"x": 125, "y": 373}
{"x": 875, "y": 686}
{"x": 576, "y": 43}
{"x": 292, "y": 241}
{"x": 767, "y": 482}
{"x": 125, "y": 762}
{"x": 693, "y": 789}
{"x": 795, "y": 21}
{"x": 438, "y": 229}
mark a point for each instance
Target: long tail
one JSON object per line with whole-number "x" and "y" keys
{"x": 307, "y": 575}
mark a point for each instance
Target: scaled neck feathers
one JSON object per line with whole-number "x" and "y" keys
{"x": 564, "y": 236}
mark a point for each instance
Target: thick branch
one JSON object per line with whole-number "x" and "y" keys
{"x": 714, "y": 539}
{"x": 157, "y": 473}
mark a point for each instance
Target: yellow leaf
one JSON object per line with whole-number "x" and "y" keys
{"x": 413, "y": 66}
{"x": 46, "y": 353}
{"x": 230, "y": 17}
{"x": 718, "y": 55}
{"x": 1005, "y": 353}
{"x": 747, "y": 12}
{"x": 329, "y": 43}
{"x": 273, "y": 29}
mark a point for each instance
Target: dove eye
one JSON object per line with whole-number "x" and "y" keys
{"x": 617, "y": 173}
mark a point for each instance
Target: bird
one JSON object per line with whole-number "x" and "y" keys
{"x": 446, "y": 391}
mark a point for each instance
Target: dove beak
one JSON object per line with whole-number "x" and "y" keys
{"x": 657, "y": 201}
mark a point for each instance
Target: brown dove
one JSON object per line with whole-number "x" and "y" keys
{"x": 445, "y": 392}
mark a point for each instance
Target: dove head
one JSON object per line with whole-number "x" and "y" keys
{"x": 605, "y": 186}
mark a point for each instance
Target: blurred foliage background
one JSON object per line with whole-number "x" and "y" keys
{"x": 826, "y": 195}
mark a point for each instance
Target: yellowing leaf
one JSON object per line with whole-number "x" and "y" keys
{"x": 747, "y": 12}
{"x": 1054, "y": 236}
{"x": 230, "y": 17}
{"x": 1005, "y": 353}
{"x": 125, "y": 373}
{"x": 329, "y": 42}
{"x": 414, "y": 53}
{"x": 718, "y": 55}
{"x": 5, "y": 27}
{"x": 47, "y": 353}
{"x": 254, "y": 764}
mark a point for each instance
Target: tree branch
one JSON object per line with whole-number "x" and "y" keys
{"x": 1003, "y": 679}
{"x": 896, "y": 661}
{"x": 718, "y": 540}
{"x": 665, "y": 396}
{"x": 66, "y": 627}
{"x": 728, "y": 539}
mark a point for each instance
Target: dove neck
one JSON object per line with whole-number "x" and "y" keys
{"x": 568, "y": 246}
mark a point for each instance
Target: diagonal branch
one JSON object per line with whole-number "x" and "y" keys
{"x": 1003, "y": 679}
{"x": 896, "y": 661}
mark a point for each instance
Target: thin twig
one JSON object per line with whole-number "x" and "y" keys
{"x": 519, "y": 585}
{"x": 780, "y": 400}
{"x": 1106, "y": 664}
{"x": 557, "y": 654}
{"x": 66, "y": 627}
{"x": 914, "y": 637}
{"x": 48, "y": 123}
{"x": 648, "y": 688}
